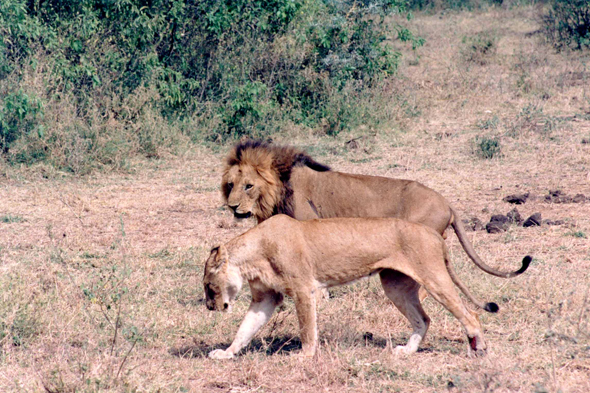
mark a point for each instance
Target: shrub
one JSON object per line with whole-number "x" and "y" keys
{"x": 489, "y": 124}
{"x": 234, "y": 67}
{"x": 20, "y": 115}
{"x": 437, "y": 5}
{"x": 567, "y": 24}
{"x": 487, "y": 148}
{"x": 479, "y": 48}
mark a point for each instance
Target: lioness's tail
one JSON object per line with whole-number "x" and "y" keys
{"x": 460, "y": 231}
{"x": 489, "y": 307}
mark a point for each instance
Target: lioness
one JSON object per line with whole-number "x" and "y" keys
{"x": 285, "y": 256}
{"x": 261, "y": 179}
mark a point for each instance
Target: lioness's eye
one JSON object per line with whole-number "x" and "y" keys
{"x": 248, "y": 186}
{"x": 210, "y": 292}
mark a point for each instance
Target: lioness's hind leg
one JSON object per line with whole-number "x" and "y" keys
{"x": 442, "y": 288}
{"x": 403, "y": 292}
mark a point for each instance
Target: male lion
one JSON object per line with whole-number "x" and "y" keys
{"x": 285, "y": 256}
{"x": 261, "y": 179}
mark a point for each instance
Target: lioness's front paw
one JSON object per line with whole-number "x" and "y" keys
{"x": 220, "y": 354}
{"x": 403, "y": 350}
{"x": 304, "y": 356}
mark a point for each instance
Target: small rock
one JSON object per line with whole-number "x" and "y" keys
{"x": 498, "y": 223}
{"x": 499, "y": 218}
{"x": 585, "y": 141}
{"x": 553, "y": 222}
{"x": 496, "y": 227}
{"x": 514, "y": 217}
{"x": 473, "y": 224}
{"x": 517, "y": 199}
{"x": 558, "y": 196}
{"x": 579, "y": 198}
{"x": 353, "y": 144}
{"x": 563, "y": 199}
{"x": 534, "y": 220}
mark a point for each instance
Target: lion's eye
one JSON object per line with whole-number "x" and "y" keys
{"x": 248, "y": 186}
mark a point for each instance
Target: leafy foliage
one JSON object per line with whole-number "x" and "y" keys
{"x": 452, "y": 4}
{"x": 479, "y": 48}
{"x": 20, "y": 115}
{"x": 487, "y": 148}
{"x": 567, "y": 24}
{"x": 241, "y": 67}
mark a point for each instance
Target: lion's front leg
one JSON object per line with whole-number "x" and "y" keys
{"x": 305, "y": 305}
{"x": 260, "y": 311}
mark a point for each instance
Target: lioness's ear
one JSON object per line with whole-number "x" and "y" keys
{"x": 217, "y": 257}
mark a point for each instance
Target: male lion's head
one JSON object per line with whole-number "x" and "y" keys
{"x": 221, "y": 281}
{"x": 256, "y": 178}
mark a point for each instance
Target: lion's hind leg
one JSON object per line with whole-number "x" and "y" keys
{"x": 402, "y": 290}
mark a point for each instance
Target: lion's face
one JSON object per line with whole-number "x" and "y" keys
{"x": 221, "y": 282}
{"x": 249, "y": 191}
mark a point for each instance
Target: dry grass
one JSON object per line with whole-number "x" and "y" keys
{"x": 100, "y": 278}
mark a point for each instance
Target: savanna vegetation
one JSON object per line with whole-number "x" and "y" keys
{"x": 87, "y": 83}
{"x": 114, "y": 121}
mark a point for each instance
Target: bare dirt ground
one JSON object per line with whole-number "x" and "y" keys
{"x": 100, "y": 277}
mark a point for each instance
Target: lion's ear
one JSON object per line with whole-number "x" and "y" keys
{"x": 217, "y": 257}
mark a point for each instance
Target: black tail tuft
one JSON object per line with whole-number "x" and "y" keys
{"x": 526, "y": 261}
{"x": 491, "y": 307}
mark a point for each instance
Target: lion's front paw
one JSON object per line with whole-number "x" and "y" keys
{"x": 220, "y": 354}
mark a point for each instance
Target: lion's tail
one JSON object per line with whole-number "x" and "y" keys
{"x": 468, "y": 247}
{"x": 489, "y": 307}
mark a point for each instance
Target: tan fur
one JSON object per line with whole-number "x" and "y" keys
{"x": 260, "y": 179}
{"x": 296, "y": 258}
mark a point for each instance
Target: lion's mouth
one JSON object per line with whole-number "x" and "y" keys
{"x": 242, "y": 215}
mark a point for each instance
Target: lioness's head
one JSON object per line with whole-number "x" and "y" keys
{"x": 256, "y": 178}
{"x": 221, "y": 281}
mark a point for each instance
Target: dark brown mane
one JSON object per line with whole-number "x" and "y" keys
{"x": 284, "y": 158}
{"x": 279, "y": 159}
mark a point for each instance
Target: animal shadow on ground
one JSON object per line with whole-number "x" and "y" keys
{"x": 276, "y": 345}
{"x": 369, "y": 340}
{"x": 269, "y": 346}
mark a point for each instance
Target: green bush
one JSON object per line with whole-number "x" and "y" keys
{"x": 479, "y": 48}
{"x": 437, "y": 5}
{"x": 102, "y": 71}
{"x": 567, "y": 24}
{"x": 487, "y": 148}
{"x": 20, "y": 115}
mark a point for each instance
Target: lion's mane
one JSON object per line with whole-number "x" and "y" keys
{"x": 274, "y": 164}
